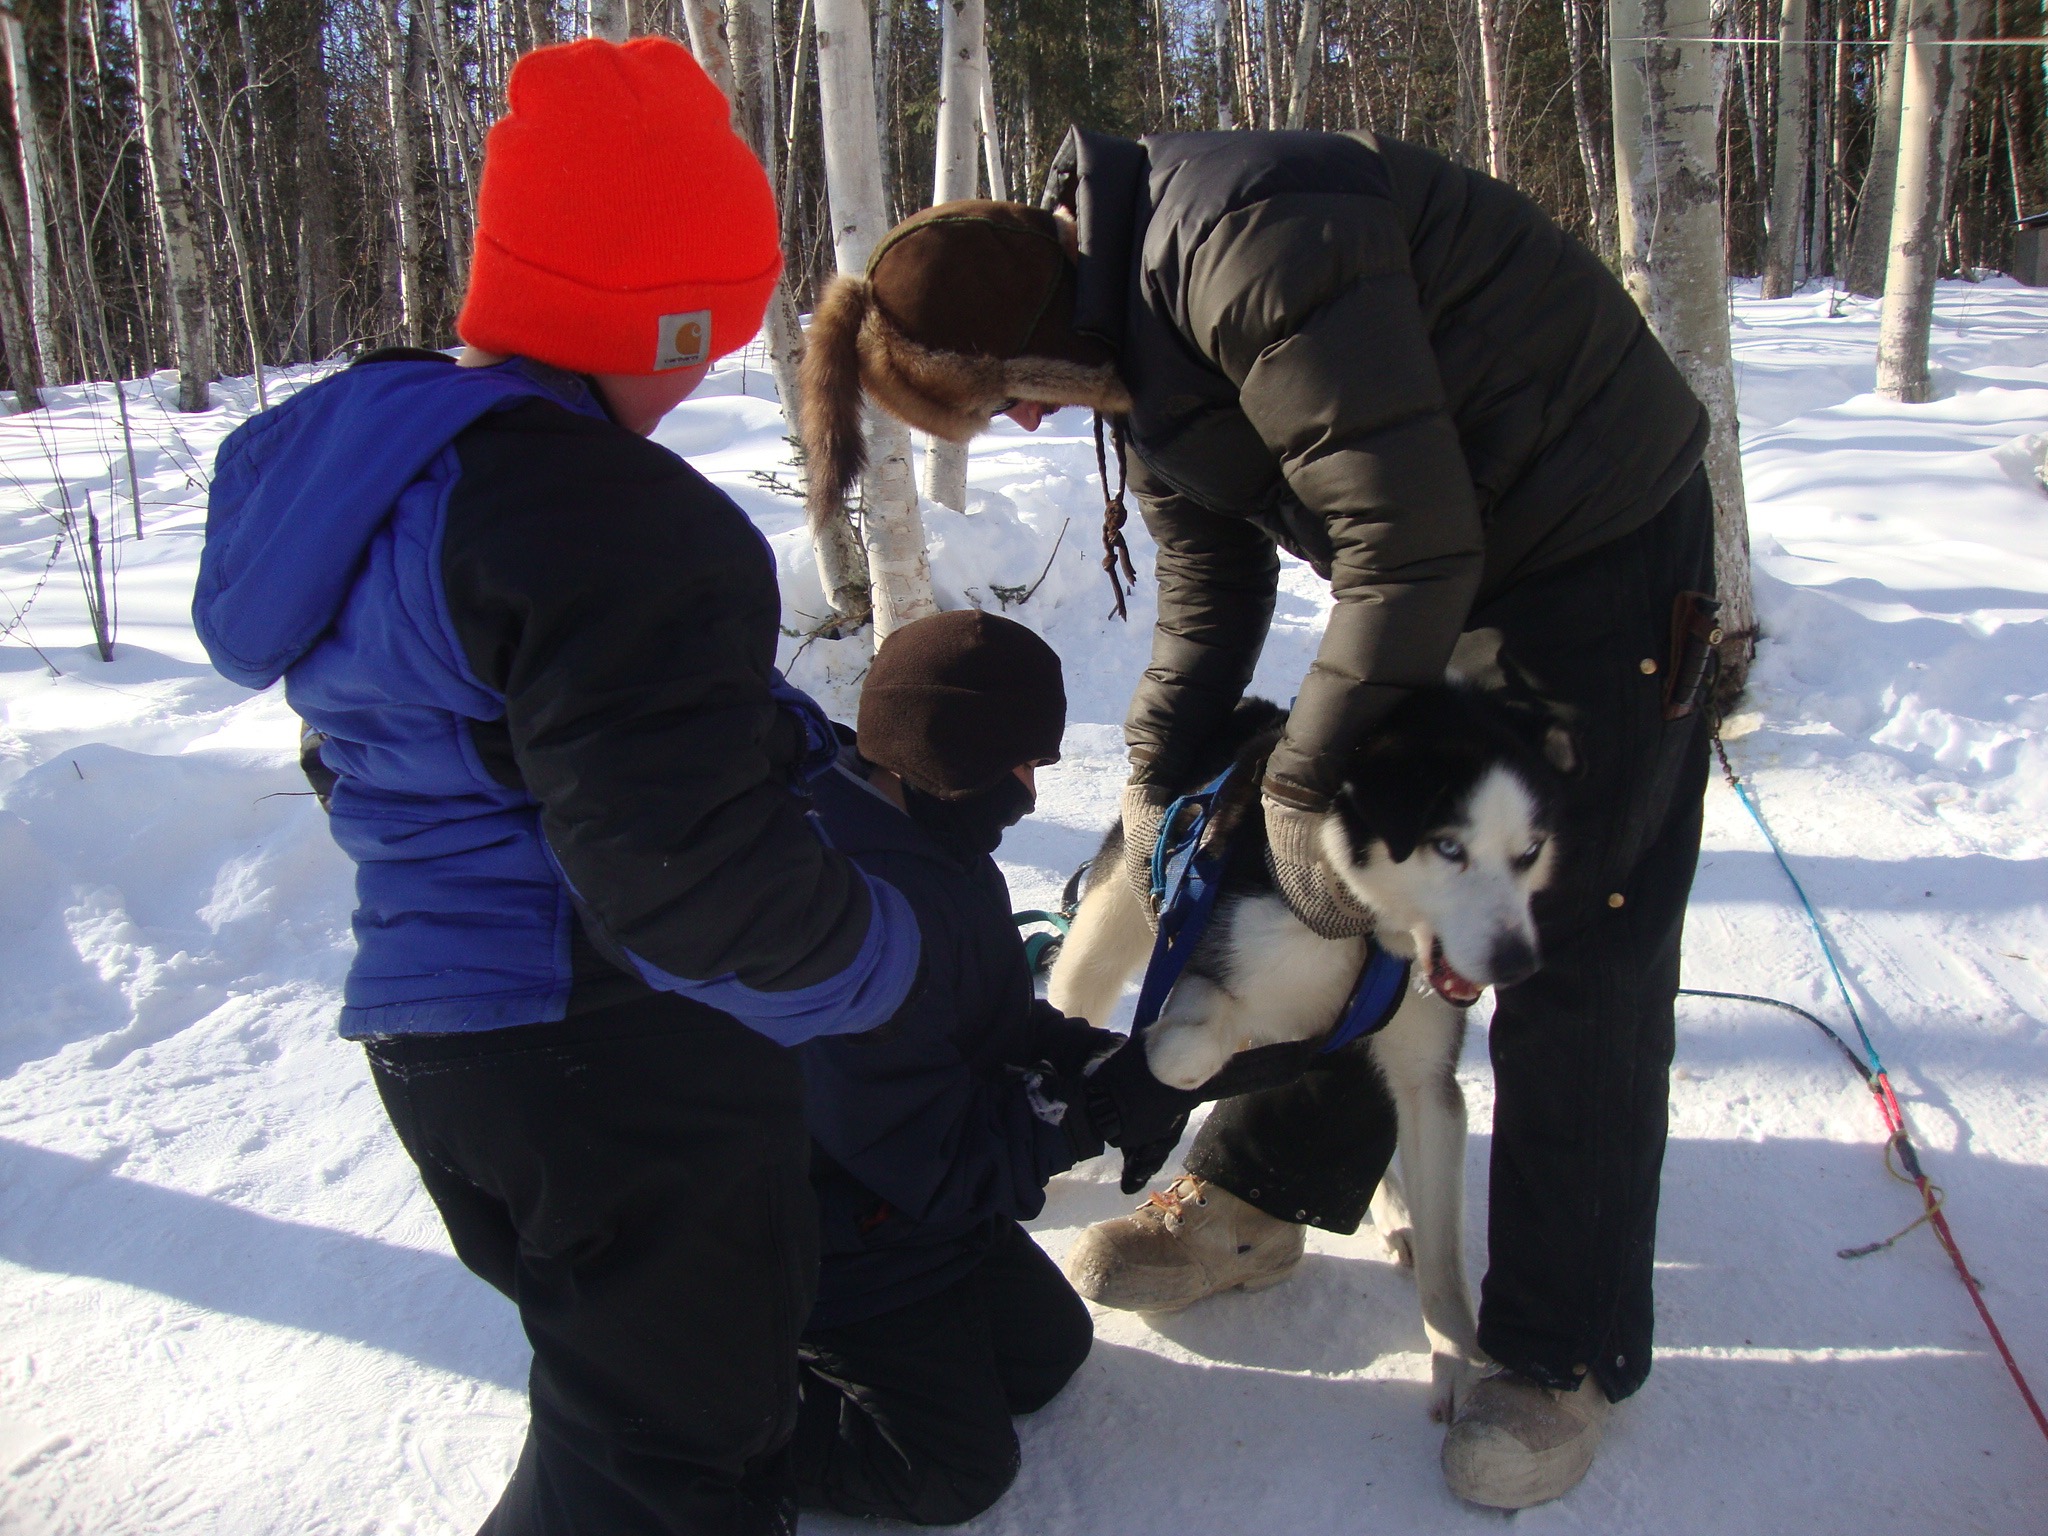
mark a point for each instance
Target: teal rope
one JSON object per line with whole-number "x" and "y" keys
{"x": 1819, "y": 932}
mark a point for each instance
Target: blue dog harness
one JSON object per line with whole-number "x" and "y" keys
{"x": 1186, "y": 880}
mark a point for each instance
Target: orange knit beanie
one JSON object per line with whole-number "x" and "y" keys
{"x": 622, "y": 226}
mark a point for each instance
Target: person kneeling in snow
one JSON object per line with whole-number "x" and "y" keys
{"x": 937, "y": 1315}
{"x": 592, "y": 910}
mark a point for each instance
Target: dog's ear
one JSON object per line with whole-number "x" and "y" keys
{"x": 1560, "y": 749}
{"x": 1377, "y": 806}
{"x": 1542, "y": 727}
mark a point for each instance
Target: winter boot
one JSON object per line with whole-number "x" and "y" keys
{"x": 1187, "y": 1241}
{"x": 1515, "y": 1443}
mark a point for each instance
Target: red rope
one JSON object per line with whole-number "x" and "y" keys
{"x": 1900, "y": 1142}
{"x": 1895, "y": 1122}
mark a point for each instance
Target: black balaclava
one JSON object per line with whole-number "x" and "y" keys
{"x": 971, "y": 826}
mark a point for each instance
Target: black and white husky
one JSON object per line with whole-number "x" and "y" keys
{"x": 1443, "y": 830}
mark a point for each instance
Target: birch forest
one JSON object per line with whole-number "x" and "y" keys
{"x": 227, "y": 186}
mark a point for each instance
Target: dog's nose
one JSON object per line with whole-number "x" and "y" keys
{"x": 1513, "y": 960}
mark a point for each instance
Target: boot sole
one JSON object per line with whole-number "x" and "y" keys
{"x": 1255, "y": 1284}
{"x": 1539, "y": 1479}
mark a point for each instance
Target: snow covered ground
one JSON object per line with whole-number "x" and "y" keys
{"x": 226, "y": 1306}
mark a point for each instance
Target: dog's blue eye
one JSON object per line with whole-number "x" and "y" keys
{"x": 1450, "y": 848}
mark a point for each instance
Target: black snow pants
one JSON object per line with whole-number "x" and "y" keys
{"x": 906, "y": 1416}
{"x": 637, "y": 1180}
{"x": 1581, "y": 1050}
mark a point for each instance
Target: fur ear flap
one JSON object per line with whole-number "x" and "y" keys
{"x": 835, "y": 452}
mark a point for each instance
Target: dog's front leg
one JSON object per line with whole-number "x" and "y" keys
{"x": 1194, "y": 1036}
{"x": 1418, "y": 1053}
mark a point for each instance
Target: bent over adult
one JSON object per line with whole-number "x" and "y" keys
{"x": 1405, "y": 374}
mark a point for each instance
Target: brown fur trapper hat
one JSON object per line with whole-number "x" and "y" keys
{"x": 964, "y": 307}
{"x": 955, "y": 701}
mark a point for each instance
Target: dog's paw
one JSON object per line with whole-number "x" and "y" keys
{"x": 1184, "y": 1054}
{"x": 1450, "y": 1378}
{"x": 1400, "y": 1243}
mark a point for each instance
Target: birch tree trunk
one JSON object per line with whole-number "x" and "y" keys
{"x": 231, "y": 219}
{"x": 705, "y": 21}
{"x": 842, "y": 566}
{"x": 1788, "y": 175}
{"x": 608, "y": 20}
{"x": 405, "y": 170}
{"x": 1669, "y": 202}
{"x": 885, "y": 103}
{"x": 992, "y": 140}
{"x": 1870, "y": 245}
{"x": 35, "y": 245}
{"x": 1493, "y": 86}
{"x": 1307, "y": 49}
{"x": 1219, "y": 30}
{"x": 1593, "y": 156}
{"x": 1271, "y": 26}
{"x": 1162, "y": 67}
{"x": 461, "y": 146}
{"x": 163, "y": 138}
{"x": 318, "y": 247}
{"x": 799, "y": 94}
{"x": 1931, "y": 111}
{"x": 963, "y": 66}
{"x": 17, "y": 327}
{"x": 890, "y": 526}
{"x": 15, "y": 335}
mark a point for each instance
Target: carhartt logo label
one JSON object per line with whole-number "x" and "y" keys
{"x": 682, "y": 341}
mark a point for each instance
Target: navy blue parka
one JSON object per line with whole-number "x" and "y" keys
{"x": 950, "y": 1119}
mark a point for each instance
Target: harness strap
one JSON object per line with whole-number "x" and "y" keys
{"x": 1186, "y": 882}
{"x": 1374, "y": 1001}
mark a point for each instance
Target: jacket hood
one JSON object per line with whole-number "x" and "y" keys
{"x": 300, "y": 491}
{"x": 1103, "y": 181}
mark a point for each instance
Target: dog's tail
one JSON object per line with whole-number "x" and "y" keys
{"x": 1109, "y": 941}
{"x": 835, "y": 453}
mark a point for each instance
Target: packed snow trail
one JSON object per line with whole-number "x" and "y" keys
{"x": 227, "y": 1306}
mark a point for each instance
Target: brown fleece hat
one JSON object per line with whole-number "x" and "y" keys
{"x": 963, "y": 307}
{"x": 955, "y": 701}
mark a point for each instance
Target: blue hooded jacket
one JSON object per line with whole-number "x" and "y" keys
{"x": 541, "y": 651}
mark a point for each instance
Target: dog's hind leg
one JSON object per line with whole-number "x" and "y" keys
{"x": 1109, "y": 941}
{"x": 1418, "y": 1055}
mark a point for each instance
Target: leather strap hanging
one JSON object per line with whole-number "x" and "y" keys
{"x": 1116, "y": 554}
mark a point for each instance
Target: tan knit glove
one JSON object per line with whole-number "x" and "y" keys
{"x": 1144, "y": 808}
{"x": 1307, "y": 884}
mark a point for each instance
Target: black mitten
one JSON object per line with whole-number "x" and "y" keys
{"x": 1131, "y": 1107}
{"x": 1141, "y": 1163}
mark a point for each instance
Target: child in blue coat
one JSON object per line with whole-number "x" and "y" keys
{"x": 937, "y": 1315}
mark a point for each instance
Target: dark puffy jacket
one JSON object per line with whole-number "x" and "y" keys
{"x": 930, "y": 1131}
{"x": 541, "y": 651}
{"x": 1395, "y": 368}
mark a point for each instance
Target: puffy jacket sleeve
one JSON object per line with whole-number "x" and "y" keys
{"x": 626, "y": 612}
{"x": 1217, "y": 580}
{"x": 1308, "y": 304}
